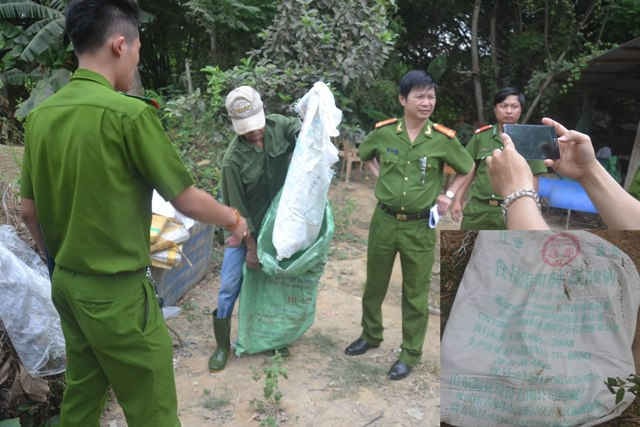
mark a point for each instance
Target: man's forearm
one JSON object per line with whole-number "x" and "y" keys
{"x": 618, "y": 209}
{"x": 523, "y": 214}
{"x": 30, "y": 219}
{"x": 461, "y": 183}
{"x": 200, "y": 205}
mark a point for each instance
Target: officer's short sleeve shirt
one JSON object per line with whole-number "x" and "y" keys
{"x": 411, "y": 174}
{"x": 92, "y": 158}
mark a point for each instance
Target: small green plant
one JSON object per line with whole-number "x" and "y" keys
{"x": 342, "y": 217}
{"x": 190, "y": 309}
{"x": 268, "y": 410}
{"x": 619, "y": 386}
{"x": 212, "y": 402}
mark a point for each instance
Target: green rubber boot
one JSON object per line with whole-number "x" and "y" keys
{"x": 221, "y": 330}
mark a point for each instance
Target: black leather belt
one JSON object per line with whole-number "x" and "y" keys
{"x": 402, "y": 216}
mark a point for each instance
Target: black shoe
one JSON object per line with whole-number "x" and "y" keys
{"x": 359, "y": 346}
{"x": 399, "y": 370}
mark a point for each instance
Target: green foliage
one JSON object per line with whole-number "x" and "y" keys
{"x": 565, "y": 74}
{"x": 201, "y": 135}
{"x": 45, "y": 87}
{"x": 47, "y": 27}
{"x": 212, "y": 402}
{"x": 619, "y": 386}
{"x": 228, "y": 14}
{"x": 437, "y": 67}
{"x": 339, "y": 42}
{"x": 269, "y": 408}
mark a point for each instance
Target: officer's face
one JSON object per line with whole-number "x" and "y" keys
{"x": 508, "y": 111}
{"x": 419, "y": 103}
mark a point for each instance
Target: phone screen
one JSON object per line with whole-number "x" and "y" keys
{"x": 534, "y": 142}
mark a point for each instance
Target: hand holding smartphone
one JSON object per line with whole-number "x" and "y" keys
{"x": 534, "y": 142}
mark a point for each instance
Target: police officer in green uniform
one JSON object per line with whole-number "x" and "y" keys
{"x": 411, "y": 153}
{"x": 253, "y": 171}
{"x": 482, "y": 211}
{"x": 92, "y": 158}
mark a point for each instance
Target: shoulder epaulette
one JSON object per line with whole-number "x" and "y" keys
{"x": 149, "y": 101}
{"x": 445, "y": 130}
{"x": 482, "y": 129}
{"x": 385, "y": 123}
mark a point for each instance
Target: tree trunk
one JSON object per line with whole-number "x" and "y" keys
{"x": 549, "y": 79}
{"x": 475, "y": 61}
{"x": 187, "y": 72}
{"x": 543, "y": 86}
{"x": 546, "y": 29}
{"x": 212, "y": 43}
{"x": 494, "y": 44}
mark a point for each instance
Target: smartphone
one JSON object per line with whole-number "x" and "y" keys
{"x": 534, "y": 142}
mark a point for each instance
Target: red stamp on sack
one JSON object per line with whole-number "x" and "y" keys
{"x": 560, "y": 249}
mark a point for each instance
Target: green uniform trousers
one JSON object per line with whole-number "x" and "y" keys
{"x": 115, "y": 335}
{"x": 480, "y": 215}
{"x": 415, "y": 242}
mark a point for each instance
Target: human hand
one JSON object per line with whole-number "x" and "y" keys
{"x": 238, "y": 232}
{"x": 508, "y": 170}
{"x": 577, "y": 157}
{"x": 443, "y": 203}
{"x": 233, "y": 242}
{"x": 456, "y": 210}
{"x": 252, "y": 253}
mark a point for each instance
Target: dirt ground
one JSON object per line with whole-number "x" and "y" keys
{"x": 324, "y": 386}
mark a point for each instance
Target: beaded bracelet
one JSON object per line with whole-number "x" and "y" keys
{"x": 508, "y": 201}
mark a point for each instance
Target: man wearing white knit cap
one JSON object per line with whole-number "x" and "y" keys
{"x": 253, "y": 172}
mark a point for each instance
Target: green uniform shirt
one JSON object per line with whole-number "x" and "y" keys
{"x": 480, "y": 146}
{"x": 252, "y": 176}
{"x": 411, "y": 174}
{"x": 92, "y": 158}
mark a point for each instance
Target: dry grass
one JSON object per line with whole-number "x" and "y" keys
{"x": 455, "y": 251}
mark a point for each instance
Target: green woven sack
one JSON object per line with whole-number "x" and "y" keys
{"x": 278, "y": 302}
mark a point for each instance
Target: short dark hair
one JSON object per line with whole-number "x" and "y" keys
{"x": 502, "y": 94}
{"x": 90, "y": 22}
{"x": 415, "y": 79}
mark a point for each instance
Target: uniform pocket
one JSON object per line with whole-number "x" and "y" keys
{"x": 388, "y": 162}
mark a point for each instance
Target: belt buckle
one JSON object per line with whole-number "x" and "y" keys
{"x": 493, "y": 202}
{"x": 401, "y": 217}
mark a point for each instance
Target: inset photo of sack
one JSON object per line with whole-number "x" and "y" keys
{"x": 540, "y": 330}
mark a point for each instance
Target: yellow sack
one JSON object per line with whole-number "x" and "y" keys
{"x": 157, "y": 224}
{"x": 172, "y": 234}
{"x": 167, "y": 258}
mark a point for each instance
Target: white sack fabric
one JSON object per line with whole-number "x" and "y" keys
{"x": 539, "y": 322}
{"x": 304, "y": 194}
{"x": 26, "y": 309}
